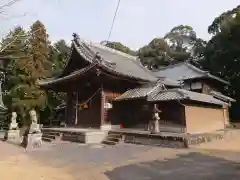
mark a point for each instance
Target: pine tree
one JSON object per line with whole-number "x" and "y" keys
{"x": 36, "y": 67}
{"x": 14, "y": 45}
{"x": 28, "y": 66}
{"x": 59, "y": 52}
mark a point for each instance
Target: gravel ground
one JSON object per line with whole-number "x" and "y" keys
{"x": 70, "y": 161}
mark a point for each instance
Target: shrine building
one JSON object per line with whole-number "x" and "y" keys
{"x": 106, "y": 88}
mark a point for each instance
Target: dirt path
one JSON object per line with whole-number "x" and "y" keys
{"x": 71, "y": 162}
{"x": 16, "y": 165}
{"x": 21, "y": 167}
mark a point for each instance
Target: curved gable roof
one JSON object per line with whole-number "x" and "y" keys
{"x": 114, "y": 61}
{"x": 184, "y": 71}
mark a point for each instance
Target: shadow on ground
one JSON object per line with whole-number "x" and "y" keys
{"x": 190, "y": 166}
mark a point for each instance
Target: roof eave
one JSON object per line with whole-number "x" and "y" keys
{"x": 128, "y": 99}
{"x": 65, "y": 78}
{"x": 110, "y": 71}
{"x": 218, "y": 79}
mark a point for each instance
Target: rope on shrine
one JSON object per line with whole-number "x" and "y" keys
{"x": 90, "y": 98}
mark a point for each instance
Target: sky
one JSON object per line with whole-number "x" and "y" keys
{"x": 136, "y": 24}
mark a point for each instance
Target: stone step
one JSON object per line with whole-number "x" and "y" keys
{"x": 51, "y": 133}
{"x": 115, "y": 135}
{"x": 108, "y": 142}
{"x": 113, "y": 139}
{"x": 47, "y": 139}
{"x": 49, "y": 136}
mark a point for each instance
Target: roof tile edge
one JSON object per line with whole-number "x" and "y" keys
{"x": 98, "y": 45}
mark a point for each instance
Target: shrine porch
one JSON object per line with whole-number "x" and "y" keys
{"x": 168, "y": 139}
{"x": 80, "y": 135}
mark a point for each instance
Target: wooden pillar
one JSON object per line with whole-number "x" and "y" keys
{"x": 69, "y": 108}
{"x": 76, "y": 110}
{"x": 102, "y": 107}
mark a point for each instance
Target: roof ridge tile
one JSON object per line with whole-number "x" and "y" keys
{"x": 98, "y": 45}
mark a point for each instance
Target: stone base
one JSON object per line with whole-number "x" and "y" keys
{"x": 155, "y": 140}
{"x": 94, "y": 137}
{"x": 2, "y": 134}
{"x": 34, "y": 140}
{"x": 12, "y": 135}
{"x": 108, "y": 127}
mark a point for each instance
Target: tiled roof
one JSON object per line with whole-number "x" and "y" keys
{"x": 220, "y": 96}
{"x": 157, "y": 93}
{"x": 112, "y": 60}
{"x": 181, "y": 94}
{"x": 169, "y": 82}
{"x": 140, "y": 92}
{"x": 184, "y": 71}
{"x": 73, "y": 74}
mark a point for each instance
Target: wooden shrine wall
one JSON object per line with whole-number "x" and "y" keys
{"x": 110, "y": 114}
{"x": 132, "y": 113}
{"x": 88, "y": 110}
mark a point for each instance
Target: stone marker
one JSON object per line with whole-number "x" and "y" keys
{"x": 33, "y": 137}
{"x": 34, "y": 127}
{"x": 13, "y": 133}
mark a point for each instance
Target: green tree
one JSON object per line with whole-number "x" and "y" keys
{"x": 155, "y": 54}
{"x": 59, "y": 52}
{"x": 178, "y": 45}
{"x": 222, "y": 54}
{"x": 15, "y": 47}
{"x": 222, "y": 21}
{"x": 183, "y": 40}
{"x": 119, "y": 47}
{"x": 29, "y": 67}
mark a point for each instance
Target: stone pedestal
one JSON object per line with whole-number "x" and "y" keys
{"x": 34, "y": 140}
{"x": 13, "y": 133}
{"x": 13, "y": 136}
